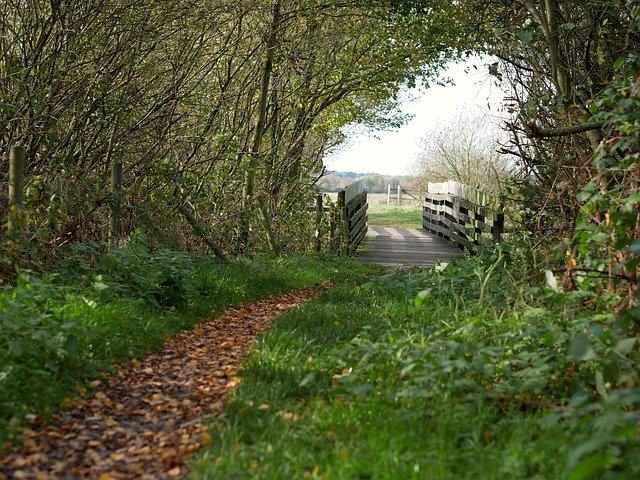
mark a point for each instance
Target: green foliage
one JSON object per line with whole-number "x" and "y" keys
{"x": 38, "y": 343}
{"x": 60, "y": 330}
{"x": 461, "y": 371}
{"x": 607, "y": 229}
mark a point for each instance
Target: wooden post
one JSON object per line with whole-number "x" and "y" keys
{"x": 498, "y": 228}
{"x": 16, "y": 186}
{"x": 319, "y": 214}
{"x": 399, "y": 195}
{"x": 389, "y": 195}
{"x": 343, "y": 224}
{"x": 116, "y": 202}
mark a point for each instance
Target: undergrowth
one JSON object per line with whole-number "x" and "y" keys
{"x": 462, "y": 371}
{"x": 59, "y": 331}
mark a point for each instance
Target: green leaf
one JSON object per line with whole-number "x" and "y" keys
{"x": 7, "y": 107}
{"x": 308, "y": 378}
{"x": 599, "y": 237}
{"x": 421, "y": 297}
{"x": 16, "y": 347}
{"x": 100, "y": 286}
{"x": 581, "y": 348}
{"x": 600, "y": 387}
{"x": 72, "y": 345}
{"x": 625, "y": 345}
{"x": 589, "y": 465}
{"x": 440, "y": 267}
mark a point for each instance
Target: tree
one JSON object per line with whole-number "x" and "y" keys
{"x": 466, "y": 151}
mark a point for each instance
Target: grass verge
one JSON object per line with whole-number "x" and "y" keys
{"x": 60, "y": 331}
{"x": 435, "y": 375}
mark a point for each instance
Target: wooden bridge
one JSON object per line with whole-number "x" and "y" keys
{"x": 456, "y": 218}
{"x": 405, "y": 246}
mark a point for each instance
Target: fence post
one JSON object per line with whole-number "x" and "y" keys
{"x": 389, "y": 194}
{"x": 116, "y": 200}
{"x": 399, "y": 195}
{"x": 16, "y": 186}
{"x": 343, "y": 225}
{"x": 498, "y": 227}
{"x": 319, "y": 214}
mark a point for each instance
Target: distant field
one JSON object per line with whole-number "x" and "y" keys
{"x": 382, "y": 215}
{"x": 381, "y": 199}
{"x": 407, "y": 215}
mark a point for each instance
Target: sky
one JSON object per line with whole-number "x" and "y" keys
{"x": 396, "y": 152}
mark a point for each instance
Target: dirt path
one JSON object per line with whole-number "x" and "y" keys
{"x": 145, "y": 421}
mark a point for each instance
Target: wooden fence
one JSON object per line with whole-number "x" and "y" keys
{"x": 461, "y": 214}
{"x": 352, "y": 208}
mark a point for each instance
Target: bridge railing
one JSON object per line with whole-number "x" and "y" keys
{"x": 352, "y": 207}
{"x": 461, "y": 214}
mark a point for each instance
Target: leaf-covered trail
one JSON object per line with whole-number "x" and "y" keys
{"x": 147, "y": 420}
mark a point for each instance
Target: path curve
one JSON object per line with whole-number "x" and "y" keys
{"x": 145, "y": 421}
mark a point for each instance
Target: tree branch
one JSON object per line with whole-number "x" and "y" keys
{"x": 534, "y": 132}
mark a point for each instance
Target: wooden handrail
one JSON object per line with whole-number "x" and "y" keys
{"x": 451, "y": 214}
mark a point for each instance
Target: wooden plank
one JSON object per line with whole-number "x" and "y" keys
{"x": 356, "y": 201}
{"x": 357, "y": 228}
{"x": 353, "y": 190}
{"x": 356, "y": 241}
{"x": 410, "y": 247}
{"x": 359, "y": 214}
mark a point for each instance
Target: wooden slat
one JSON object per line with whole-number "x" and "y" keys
{"x": 359, "y": 214}
{"x": 356, "y": 241}
{"x": 355, "y": 230}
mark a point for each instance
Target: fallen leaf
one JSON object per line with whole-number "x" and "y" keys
{"x": 110, "y": 422}
{"x": 147, "y": 425}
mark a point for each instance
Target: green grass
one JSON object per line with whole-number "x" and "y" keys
{"x": 59, "y": 332}
{"x": 376, "y": 382}
{"x": 381, "y": 215}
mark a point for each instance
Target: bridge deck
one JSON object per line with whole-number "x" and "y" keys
{"x": 405, "y": 246}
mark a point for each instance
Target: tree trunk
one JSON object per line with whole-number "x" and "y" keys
{"x": 16, "y": 186}
{"x": 116, "y": 202}
{"x": 201, "y": 232}
{"x": 252, "y": 164}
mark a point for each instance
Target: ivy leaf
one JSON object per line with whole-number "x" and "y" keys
{"x": 581, "y": 348}
{"x": 625, "y": 345}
